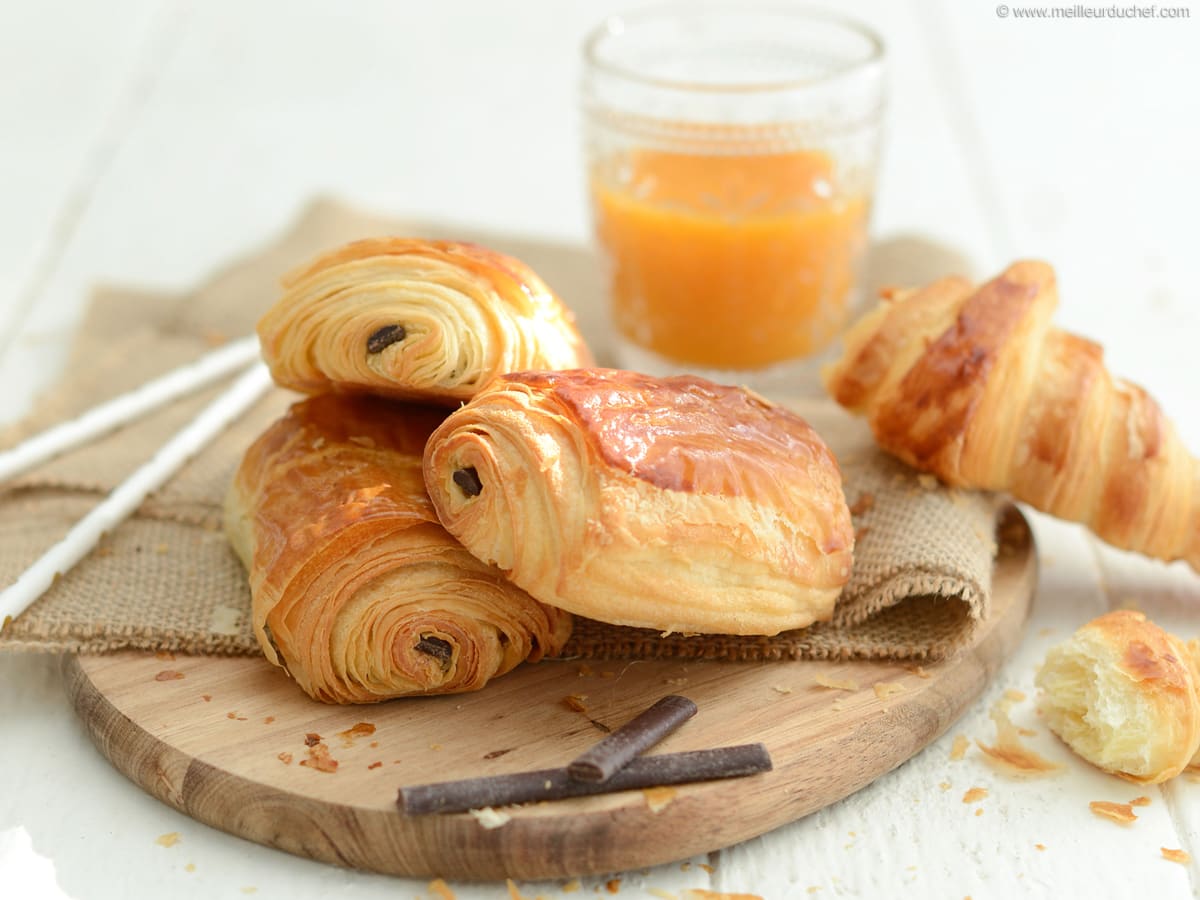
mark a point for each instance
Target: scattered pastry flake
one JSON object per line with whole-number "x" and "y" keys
{"x": 190, "y": 867}
{"x": 919, "y": 671}
{"x": 707, "y": 868}
{"x": 585, "y": 670}
{"x": 813, "y": 888}
{"x": 168, "y": 675}
{"x": 319, "y": 759}
{"x": 979, "y": 812}
{"x": 268, "y": 720}
{"x": 945, "y": 786}
{"x": 312, "y": 739}
{"x": 376, "y": 764}
{"x": 285, "y": 758}
{"x": 838, "y": 705}
{"x": 1040, "y": 846}
{"x": 702, "y": 894}
{"x": 1177, "y": 856}
{"x": 613, "y": 885}
{"x": 572, "y": 886}
{"x": 1008, "y": 754}
{"x": 658, "y": 798}
{"x": 441, "y": 889}
{"x": 885, "y": 689}
{"x": 1140, "y": 801}
{"x": 498, "y": 753}
{"x": 781, "y": 689}
{"x": 207, "y": 698}
{"x": 975, "y": 794}
{"x": 1121, "y": 813}
{"x": 836, "y": 684}
{"x": 864, "y": 503}
{"x": 575, "y": 702}
{"x": 490, "y": 818}
{"x": 927, "y": 481}
{"x": 1014, "y": 695}
{"x": 959, "y": 749}
{"x": 236, "y": 717}
{"x": 164, "y": 655}
{"x": 170, "y": 839}
{"x": 513, "y": 893}
{"x": 361, "y": 729}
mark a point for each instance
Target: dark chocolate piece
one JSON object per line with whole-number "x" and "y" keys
{"x": 386, "y": 336}
{"x": 556, "y": 784}
{"x": 436, "y": 647}
{"x": 468, "y": 481}
{"x": 640, "y": 733}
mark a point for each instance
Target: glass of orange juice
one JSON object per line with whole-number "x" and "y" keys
{"x": 731, "y": 155}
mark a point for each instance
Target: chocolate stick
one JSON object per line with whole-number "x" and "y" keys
{"x": 645, "y": 730}
{"x": 556, "y": 784}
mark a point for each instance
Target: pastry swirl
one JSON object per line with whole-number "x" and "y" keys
{"x": 674, "y": 504}
{"x": 415, "y": 319}
{"x": 358, "y": 591}
{"x": 973, "y": 384}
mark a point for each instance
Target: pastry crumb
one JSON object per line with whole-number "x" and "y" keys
{"x": 319, "y": 759}
{"x": 945, "y": 786}
{"x": 207, "y": 698}
{"x": 864, "y": 503}
{"x": 658, "y": 798}
{"x": 268, "y": 720}
{"x": 441, "y": 889}
{"x": 885, "y": 689}
{"x": 1140, "y": 801}
{"x": 959, "y": 749}
{"x": 170, "y": 839}
{"x": 974, "y": 795}
{"x": 1040, "y": 846}
{"x": 168, "y": 675}
{"x": 919, "y": 671}
{"x": 572, "y": 886}
{"x": 707, "y": 868}
{"x": 979, "y": 812}
{"x": 1008, "y": 754}
{"x": 376, "y": 764}
{"x": 781, "y": 689}
{"x": 1121, "y": 813}
{"x": 312, "y": 739}
{"x": 351, "y": 734}
{"x": 490, "y": 818}
{"x": 836, "y": 684}
{"x": 613, "y": 885}
{"x": 1177, "y": 856}
{"x": 285, "y": 758}
{"x": 585, "y": 671}
{"x": 575, "y": 702}
{"x": 513, "y": 892}
{"x": 190, "y": 867}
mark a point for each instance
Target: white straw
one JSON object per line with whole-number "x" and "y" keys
{"x": 129, "y": 495}
{"x": 127, "y": 407}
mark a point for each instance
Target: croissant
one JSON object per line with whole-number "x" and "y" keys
{"x": 974, "y": 385}
{"x": 358, "y": 592}
{"x": 1123, "y": 694}
{"x": 415, "y": 319}
{"x": 674, "y": 504}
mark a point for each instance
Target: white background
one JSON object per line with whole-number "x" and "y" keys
{"x": 148, "y": 142}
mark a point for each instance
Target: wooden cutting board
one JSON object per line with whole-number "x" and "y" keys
{"x": 223, "y": 740}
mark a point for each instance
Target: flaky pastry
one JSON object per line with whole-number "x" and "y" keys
{"x": 1123, "y": 694}
{"x": 674, "y": 504}
{"x": 415, "y": 319}
{"x": 358, "y": 592}
{"x": 973, "y": 384}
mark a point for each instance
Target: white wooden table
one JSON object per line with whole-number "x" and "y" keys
{"x": 146, "y": 142}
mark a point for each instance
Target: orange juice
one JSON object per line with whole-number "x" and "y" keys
{"x": 729, "y": 262}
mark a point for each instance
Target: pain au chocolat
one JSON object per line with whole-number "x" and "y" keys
{"x": 358, "y": 592}
{"x": 674, "y": 504}
{"x": 415, "y": 319}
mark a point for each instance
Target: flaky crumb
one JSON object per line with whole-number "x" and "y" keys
{"x": 441, "y": 889}
{"x": 836, "y": 684}
{"x": 1140, "y": 801}
{"x": 1008, "y": 754}
{"x": 360, "y": 729}
{"x": 312, "y": 739}
{"x": 927, "y": 481}
{"x": 319, "y": 759}
{"x": 376, "y": 764}
{"x": 613, "y": 885}
{"x": 959, "y": 749}
{"x": 490, "y": 818}
{"x": 781, "y": 689}
{"x": 268, "y": 720}
{"x": 168, "y": 675}
{"x": 919, "y": 671}
{"x": 575, "y": 702}
{"x": 572, "y": 886}
{"x": 979, "y": 812}
{"x": 513, "y": 893}
{"x": 864, "y": 503}
{"x": 170, "y": 839}
{"x": 1122, "y": 813}
{"x": 1040, "y": 846}
{"x": 190, "y": 867}
{"x": 885, "y": 689}
{"x": 974, "y": 795}
{"x": 285, "y": 758}
{"x": 658, "y": 798}
{"x": 945, "y": 786}
{"x": 1177, "y": 856}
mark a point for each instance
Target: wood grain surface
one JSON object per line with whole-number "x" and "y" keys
{"x": 224, "y": 739}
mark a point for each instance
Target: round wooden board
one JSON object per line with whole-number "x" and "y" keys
{"x": 213, "y": 743}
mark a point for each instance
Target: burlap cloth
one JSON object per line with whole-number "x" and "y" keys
{"x": 166, "y": 580}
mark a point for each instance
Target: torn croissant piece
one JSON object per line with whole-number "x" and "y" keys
{"x": 674, "y": 504}
{"x": 415, "y": 319}
{"x": 973, "y": 384}
{"x": 357, "y": 591}
{"x": 1125, "y": 695}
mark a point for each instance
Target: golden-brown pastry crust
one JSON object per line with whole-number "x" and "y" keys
{"x": 358, "y": 591}
{"x": 675, "y": 504}
{"x": 975, "y": 386}
{"x": 1125, "y": 695}
{"x": 415, "y": 319}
